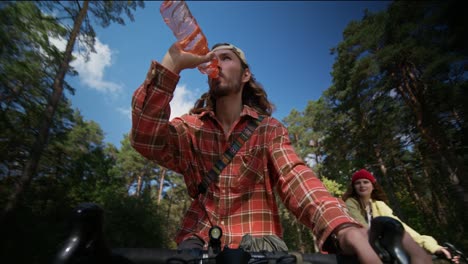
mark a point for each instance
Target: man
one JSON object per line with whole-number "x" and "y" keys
{"x": 241, "y": 200}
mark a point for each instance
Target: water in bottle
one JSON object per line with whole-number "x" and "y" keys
{"x": 178, "y": 17}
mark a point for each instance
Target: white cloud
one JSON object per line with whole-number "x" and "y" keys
{"x": 310, "y": 160}
{"x": 125, "y": 111}
{"x": 91, "y": 72}
{"x": 182, "y": 102}
{"x": 59, "y": 43}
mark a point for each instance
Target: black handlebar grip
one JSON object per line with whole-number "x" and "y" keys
{"x": 86, "y": 243}
{"x": 386, "y": 236}
{"x": 233, "y": 256}
{"x": 329, "y": 258}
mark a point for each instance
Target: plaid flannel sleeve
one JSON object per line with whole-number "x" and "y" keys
{"x": 302, "y": 192}
{"x": 152, "y": 135}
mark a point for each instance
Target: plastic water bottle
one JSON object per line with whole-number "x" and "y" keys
{"x": 178, "y": 17}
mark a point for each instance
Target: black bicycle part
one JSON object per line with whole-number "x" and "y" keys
{"x": 86, "y": 244}
{"x": 215, "y": 235}
{"x": 233, "y": 256}
{"x": 455, "y": 252}
{"x": 386, "y": 238}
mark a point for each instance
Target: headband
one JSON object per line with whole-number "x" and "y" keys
{"x": 235, "y": 49}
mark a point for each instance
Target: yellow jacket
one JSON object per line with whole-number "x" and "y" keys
{"x": 380, "y": 208}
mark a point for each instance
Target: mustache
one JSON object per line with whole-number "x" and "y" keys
{"x": 215, "y": 82}
{"x": 220, "y": 74}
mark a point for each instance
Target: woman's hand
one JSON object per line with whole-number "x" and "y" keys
{"x": 446, "y": 253}
{"x": 176, "y": 59}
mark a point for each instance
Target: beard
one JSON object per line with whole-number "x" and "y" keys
{"x": 231, "y": 86}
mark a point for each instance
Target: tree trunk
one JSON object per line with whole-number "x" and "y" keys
{"x": 139, "y": 183}
{"x": 168, "y": 214}
{"x": 423, "y": 206}
{"x": 386, "y": 180}
{"x": 421, "y": 203}
{"x": 41, "y": 139}
{"x": 161, "y": 184}
{"x": 436, "y": 210}
{"x": 412, "y": 91}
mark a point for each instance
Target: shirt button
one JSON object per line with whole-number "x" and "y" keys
{"x": 222, "y": 222}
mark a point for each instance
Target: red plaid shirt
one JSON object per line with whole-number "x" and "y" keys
{"x": 242, "y": 200}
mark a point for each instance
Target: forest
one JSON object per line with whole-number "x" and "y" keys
{"x": 397, "y": 106}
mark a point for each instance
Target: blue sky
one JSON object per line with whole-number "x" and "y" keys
{"x": 287, "y": 44}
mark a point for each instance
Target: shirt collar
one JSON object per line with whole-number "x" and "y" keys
{"x": 246, "y": 111}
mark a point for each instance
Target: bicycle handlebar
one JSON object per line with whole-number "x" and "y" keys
{"x": 227, "y": 256}
{"x": 86, "y": 244}
{"x": 455, "y": 252}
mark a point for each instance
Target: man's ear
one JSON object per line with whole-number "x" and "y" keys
{"x": 246, "y": 75}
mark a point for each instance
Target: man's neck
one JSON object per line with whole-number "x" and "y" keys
{"x": 228, "y": 110}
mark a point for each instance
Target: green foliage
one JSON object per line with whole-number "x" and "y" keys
{"x": 102, "y": 13}
{"x": 397, "y": 106}
{"x": 86, "y": 175}
{"x": 335, "y": 188}
{"x": 28, "y": 62}
{"x": 138, "y": 172}
{"x": 134, "y": 222}
{"x": 394, "y": 108}
{"x": 76, "y": 166}
{"x": 296, "y": 236}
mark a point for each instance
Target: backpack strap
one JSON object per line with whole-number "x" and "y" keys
{"x": 228, "y": 154}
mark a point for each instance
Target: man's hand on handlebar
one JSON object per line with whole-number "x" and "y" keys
{"x": 354, "y": 241}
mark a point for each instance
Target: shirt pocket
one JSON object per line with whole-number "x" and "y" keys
{"x": 251, "y": 171}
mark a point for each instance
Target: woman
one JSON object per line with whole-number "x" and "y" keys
{"x": 366, "y": 199}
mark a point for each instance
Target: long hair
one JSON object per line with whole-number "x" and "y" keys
{"x": 253, "y": 95}
{"x": 377, "y": 194}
